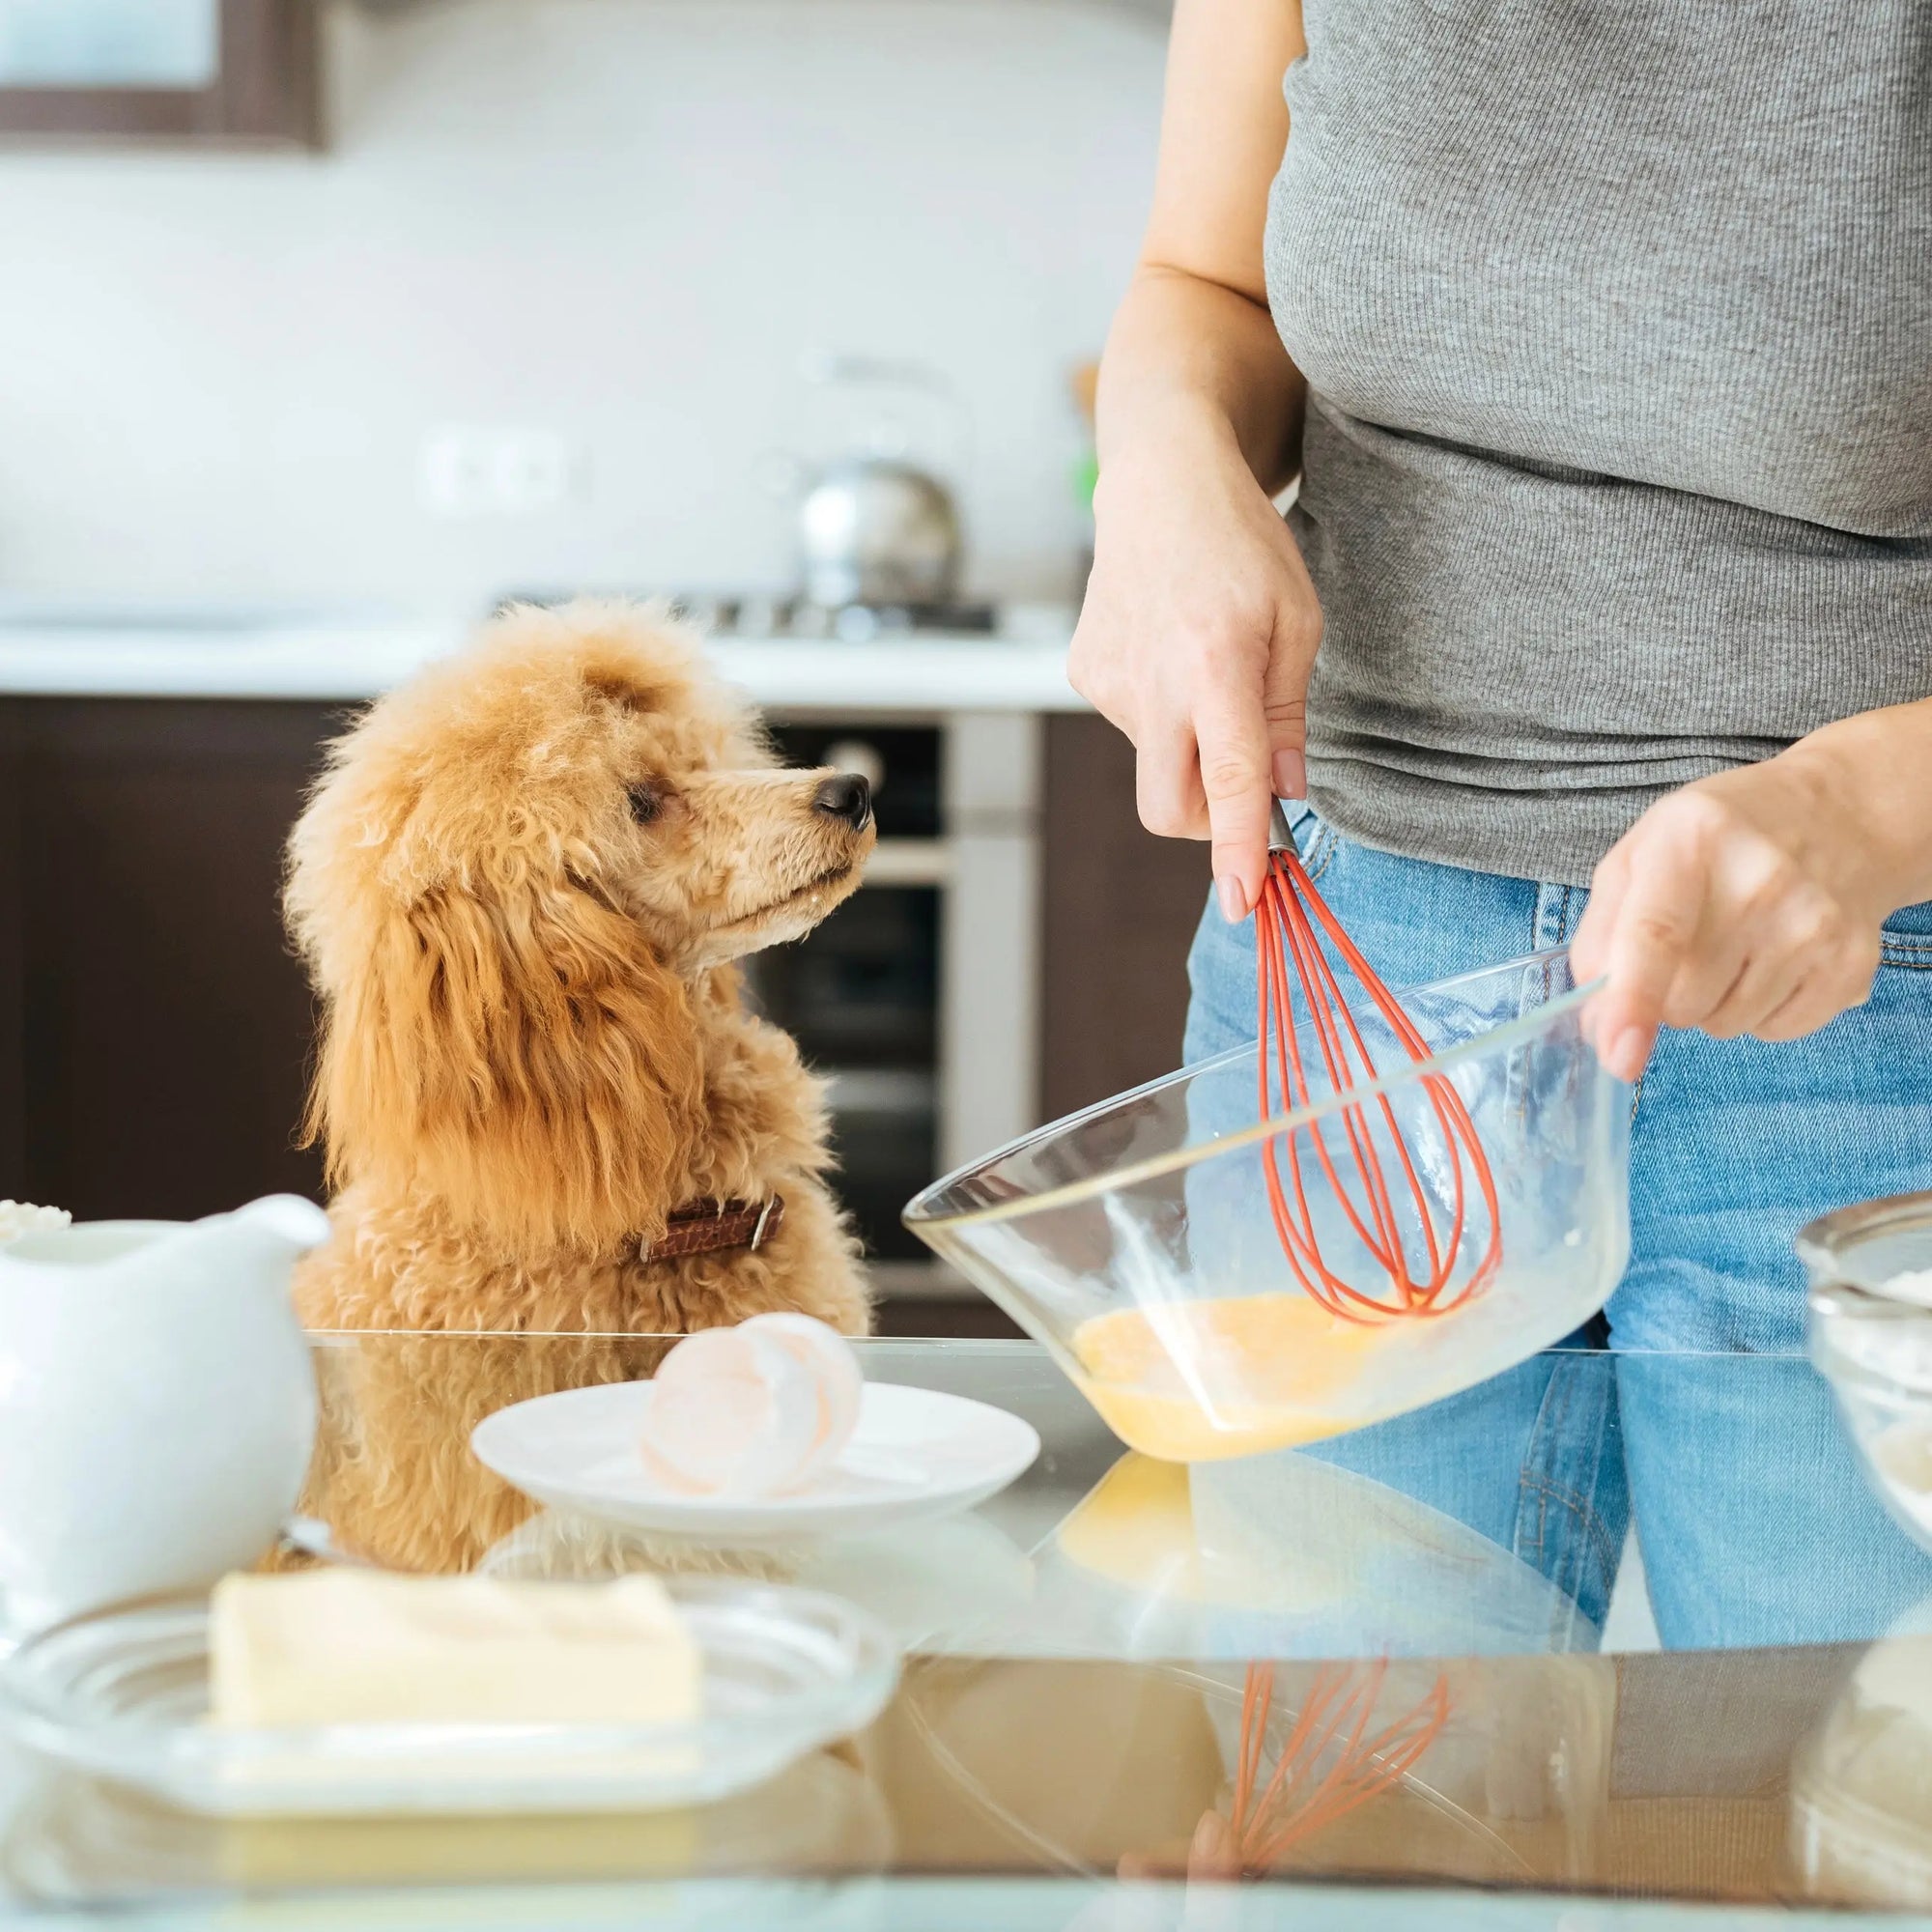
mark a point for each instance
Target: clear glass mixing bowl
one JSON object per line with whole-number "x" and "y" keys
{"x": 1136, "y": 1241}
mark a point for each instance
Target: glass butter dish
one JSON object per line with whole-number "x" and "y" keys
{"x": 124, "y": 1695}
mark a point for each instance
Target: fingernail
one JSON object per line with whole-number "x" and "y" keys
{"x": 1628, "y": 1053}
{"x": 1234, "y": 901}
{"x": 1290, "y": 775}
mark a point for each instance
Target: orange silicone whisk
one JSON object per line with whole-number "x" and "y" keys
{"x": 1330, "y": 1762}
{"x": 1415, "y": 1234}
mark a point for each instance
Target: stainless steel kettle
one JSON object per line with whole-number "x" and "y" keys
{"x": 871, "y": 530}
{"x": 875, "y": 525}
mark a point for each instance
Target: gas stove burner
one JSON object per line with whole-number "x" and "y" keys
{"x": 752, "y": 617}
{"x": 850, "y": 623}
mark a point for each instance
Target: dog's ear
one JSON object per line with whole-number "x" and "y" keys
{"x": 524, "y": 1056}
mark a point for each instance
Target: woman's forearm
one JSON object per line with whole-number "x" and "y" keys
{"x": 1193, "y": 368}
{"x": 1189, "y": 358}
{"x": 1199, "y": 624}
{"x": 1883, "y": 760}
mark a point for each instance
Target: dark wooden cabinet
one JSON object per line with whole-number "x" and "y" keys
{"x": 155, "y": 1029}
{"x": 1121, "y": 909}
{"x": 264, "y": 90}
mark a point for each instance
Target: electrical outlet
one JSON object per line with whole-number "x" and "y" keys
{"x": 466, "y": 472}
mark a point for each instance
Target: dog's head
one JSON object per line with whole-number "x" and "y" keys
{"x": 506, "y": 886}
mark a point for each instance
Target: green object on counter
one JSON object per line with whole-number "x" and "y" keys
{"x": 1086, "y": 475}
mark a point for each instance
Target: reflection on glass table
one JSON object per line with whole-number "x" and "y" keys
{"x": 1381, "y": 1542}
{"x": 1280, "y": 1667}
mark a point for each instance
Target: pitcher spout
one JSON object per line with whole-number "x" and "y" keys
{"x": 286, "y": 1221}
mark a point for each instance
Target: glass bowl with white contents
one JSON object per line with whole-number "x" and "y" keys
{"x": 1870, "y": 1318}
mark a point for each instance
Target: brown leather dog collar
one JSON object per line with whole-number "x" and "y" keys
{"x": 711, "y": 1227}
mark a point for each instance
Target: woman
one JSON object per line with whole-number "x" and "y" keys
{"x": 1601, "y": 344}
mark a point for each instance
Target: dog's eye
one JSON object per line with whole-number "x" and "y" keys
{"x": 645, "y": 803}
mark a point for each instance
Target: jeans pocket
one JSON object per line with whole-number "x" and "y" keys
{"x": 1906, "y": 938}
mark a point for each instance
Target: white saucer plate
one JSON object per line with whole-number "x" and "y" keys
{"x": 914, "y": 1453}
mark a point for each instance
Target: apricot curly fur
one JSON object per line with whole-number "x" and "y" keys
{"x": 520, "y": 886}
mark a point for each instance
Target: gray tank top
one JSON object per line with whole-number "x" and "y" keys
{"x": 1617, "y": 325}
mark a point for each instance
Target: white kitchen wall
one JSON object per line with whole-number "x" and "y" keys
{"x": 616, "y": 221}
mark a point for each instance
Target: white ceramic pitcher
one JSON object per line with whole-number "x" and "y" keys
{"x": 157, "y": 1406}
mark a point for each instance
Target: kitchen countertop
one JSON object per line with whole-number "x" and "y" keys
{"x": 354, "y": 658}
{"x": 1080, "y": 1683}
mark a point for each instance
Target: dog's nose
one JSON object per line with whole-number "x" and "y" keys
{"x": 845, "y": 795}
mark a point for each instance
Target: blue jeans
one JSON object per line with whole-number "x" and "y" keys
{"x": 1755, "y": 1525}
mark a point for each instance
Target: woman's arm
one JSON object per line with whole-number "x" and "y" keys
{"x": 1750, "y": 903}
{"x": 1192, "y": 345}
{"x": 1200, "y": 623}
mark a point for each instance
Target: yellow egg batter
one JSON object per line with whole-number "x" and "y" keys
{"x": 1137, "y": 1528}
{"x": 1199, "y": 1381}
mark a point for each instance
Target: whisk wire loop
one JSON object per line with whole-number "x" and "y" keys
{"x": 1297, "y": 978}
{"x": 1330, "y": 1762}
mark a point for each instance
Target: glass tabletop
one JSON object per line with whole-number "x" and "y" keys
{"x": 1629, "y": 1626}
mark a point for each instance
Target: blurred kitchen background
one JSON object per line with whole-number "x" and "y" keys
{"x": 323, "y": 328}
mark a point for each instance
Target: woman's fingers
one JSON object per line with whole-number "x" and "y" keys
{"x": 1809, "y": 1004}
{"x": 1590, "y": 947}
{"x": 1652, "y": 937}
{"x": 1764, "y": 982}
{"x": 1297, "y": 634}
{"x": 1250, "y": 718}
{"x": 1167, "y": 783}
{"x": 1827, "y": 985}
{"x": 1235, "y": 755}
{"x": 1802, "y": 962}
{"x": 1712, "y": 968}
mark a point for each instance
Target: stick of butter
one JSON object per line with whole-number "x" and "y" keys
{"x": 346, "y": 1646}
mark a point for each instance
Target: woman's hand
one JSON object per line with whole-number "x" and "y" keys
{"x": 1750, "y": 903}
{"x": 1197, "y": 637}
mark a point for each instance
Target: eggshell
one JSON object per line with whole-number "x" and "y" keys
{"x": 730, "y": 1415}
{"x": 835, "y": 1374}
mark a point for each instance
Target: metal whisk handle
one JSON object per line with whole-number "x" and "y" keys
{"x": 1280, "y": 837}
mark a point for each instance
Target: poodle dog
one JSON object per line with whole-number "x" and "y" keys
{"x": 519, "y": 887}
